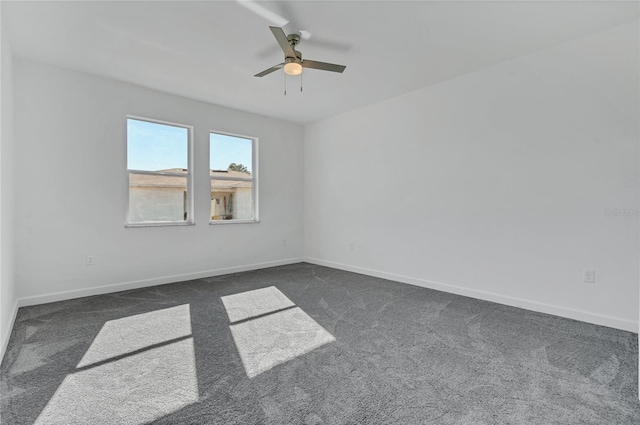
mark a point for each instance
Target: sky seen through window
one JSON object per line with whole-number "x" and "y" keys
{"x": 153, "y": 146}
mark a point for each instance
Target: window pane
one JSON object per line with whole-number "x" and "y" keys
{"x": 231, "y": 200}
{"x": 153, "y": 147}
{"x": 157, "y": 198}
{"x": 232, "y": 179}
{"x": 230, "y": 151}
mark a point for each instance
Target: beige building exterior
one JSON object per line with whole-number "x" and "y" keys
{"x": 156, "y": 197}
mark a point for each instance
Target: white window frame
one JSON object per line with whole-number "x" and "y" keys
{"x": 190, "y": 193}
{"x": 253, "y": 179}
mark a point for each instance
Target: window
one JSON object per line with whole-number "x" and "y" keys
{"x": 159, "y": 167}
{"x": 232, "y": 163}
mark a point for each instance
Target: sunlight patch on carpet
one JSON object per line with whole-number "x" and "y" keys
{"x": 255, "y": 303}
{"x": 138, "y": 369}
{"x": 273, "y": 339}
{"x": 132, "y": 333}
{"x": 136, "y": 389}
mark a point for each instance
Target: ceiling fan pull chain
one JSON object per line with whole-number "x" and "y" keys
{"x": 285, "y": 84}
{"x": 301, "y": 81}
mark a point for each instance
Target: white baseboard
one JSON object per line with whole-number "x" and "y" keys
{"x": 106, "y": 289}
{"x": 584, "y": 316}
{"x": 581, "y": 315}
{"x": 7, "y": 335}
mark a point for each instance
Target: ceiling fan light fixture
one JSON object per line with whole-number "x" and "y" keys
{"x": 292, "y": 68}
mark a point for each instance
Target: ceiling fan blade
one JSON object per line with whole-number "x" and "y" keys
{"x": 315, "y": 41}
{"x": 270, "y": 70}
{"x": 293, "y": 26}
{"x": 267, "y": 14}
{"x": 304, "y": 34}
{"x": 283, "y": 42}
{"x": 323, "y": 66}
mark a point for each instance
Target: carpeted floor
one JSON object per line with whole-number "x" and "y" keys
{"x": 305, "y": 344}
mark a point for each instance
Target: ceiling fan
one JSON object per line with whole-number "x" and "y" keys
{"x": 293, "y": 62}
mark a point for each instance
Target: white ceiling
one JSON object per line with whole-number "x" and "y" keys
{"x": 210, "y": 50}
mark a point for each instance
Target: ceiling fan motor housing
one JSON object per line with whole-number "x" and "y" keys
{"x": 294, "y": 40}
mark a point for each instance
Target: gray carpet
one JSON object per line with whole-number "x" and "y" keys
{"x": 305, "y": 344}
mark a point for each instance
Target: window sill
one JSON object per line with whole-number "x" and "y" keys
{"x": 158, "y": 224}
{"x": 217, "y": 222}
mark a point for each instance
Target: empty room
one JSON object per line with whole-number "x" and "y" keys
{"x": 319, "y": 212}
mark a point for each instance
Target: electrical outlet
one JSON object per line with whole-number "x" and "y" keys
{"x": 590, "y": 276}
{"x": 90, "y": 260}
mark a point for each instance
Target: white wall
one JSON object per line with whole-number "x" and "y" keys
{"x": 500, "y": 182}
{"x": 70, "y": 157}
{"x": 7, "y": 270}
